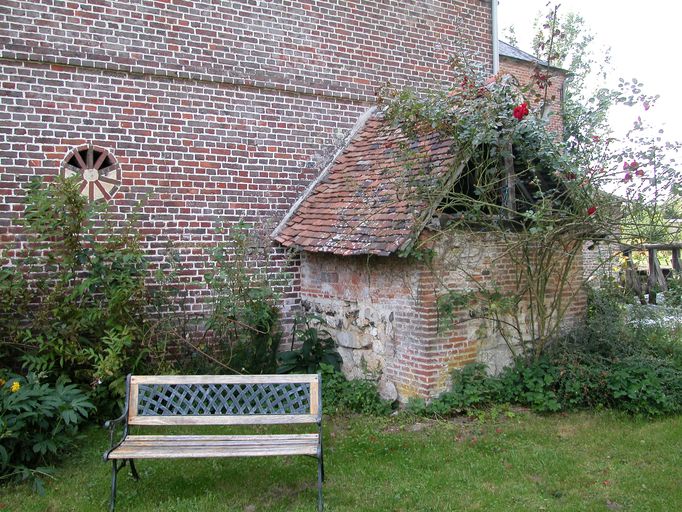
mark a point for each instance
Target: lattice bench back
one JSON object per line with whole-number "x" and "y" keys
{"x": 223, "y": 399}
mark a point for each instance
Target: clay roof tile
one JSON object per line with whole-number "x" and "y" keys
{"x": 370, "y": 200}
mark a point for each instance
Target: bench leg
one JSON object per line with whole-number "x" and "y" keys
{"x": 322, "y": 464}
{"x": 320, "y": 479}
{"x": 133, "y": 470}
{"x": 114, "y": 472}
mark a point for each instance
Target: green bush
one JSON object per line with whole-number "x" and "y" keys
{"x": 340, "y": 395}
{"x": 38, "y": 422}
{"x": 620, "y": 359}
{"x": 317, "y": 348}
{"x": 81, "y": 302}
{"x": 74, "y": 303}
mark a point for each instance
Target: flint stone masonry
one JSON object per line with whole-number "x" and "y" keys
{"x": 383, "y": 311}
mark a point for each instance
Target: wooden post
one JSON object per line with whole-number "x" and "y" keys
{"x": 651, "y": 281}
{"x": 676, "y": 259}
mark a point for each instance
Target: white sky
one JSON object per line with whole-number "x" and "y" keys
{"x": 645, "y": 38}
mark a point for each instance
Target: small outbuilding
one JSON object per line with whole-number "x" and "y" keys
{"x": 356, "y": 228}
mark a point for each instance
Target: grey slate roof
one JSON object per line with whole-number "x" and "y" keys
{"x": 507, "y": 50}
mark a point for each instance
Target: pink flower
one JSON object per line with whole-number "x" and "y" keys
{"x": 639, "y": 172}
{"x": 628, "y": 177}
{"x": 591, "y": 210}
{"x": 521, "y": 111}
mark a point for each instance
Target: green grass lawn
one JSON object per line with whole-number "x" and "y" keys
{"x": 581, "y": 462}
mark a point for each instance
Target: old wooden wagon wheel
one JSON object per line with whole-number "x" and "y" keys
{"x": 99, "y": 173}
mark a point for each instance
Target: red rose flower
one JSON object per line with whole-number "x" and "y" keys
{"x": 591, "y": 210}
{"x": 521, "y": 111}
{"x": 639, "y": 172}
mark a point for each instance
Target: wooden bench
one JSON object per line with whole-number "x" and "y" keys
{"x": 230, "y": 400}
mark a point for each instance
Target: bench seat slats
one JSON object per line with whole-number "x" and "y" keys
{"x": 174, "y": 446}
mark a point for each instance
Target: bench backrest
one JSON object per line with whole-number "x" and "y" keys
{"x": 223, "y": 399}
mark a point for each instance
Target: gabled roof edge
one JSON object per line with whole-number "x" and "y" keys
{"x": 351, "y": 135}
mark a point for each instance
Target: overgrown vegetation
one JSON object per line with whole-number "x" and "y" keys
{"x": 517, "y": 185}
{"x": 616, "y": 360}
{"x": 81, "y": 304}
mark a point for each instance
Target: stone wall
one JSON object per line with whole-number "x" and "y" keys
{"x": 370, "y": 307}
{"x": 383, "y": 313}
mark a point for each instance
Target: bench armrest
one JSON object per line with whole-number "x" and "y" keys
{"x": 111, "y": 426}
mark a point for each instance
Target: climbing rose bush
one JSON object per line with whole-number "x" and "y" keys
{"x": 521, "y": 111}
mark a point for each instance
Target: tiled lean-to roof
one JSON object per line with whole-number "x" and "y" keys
{"x": 374, "y": 198}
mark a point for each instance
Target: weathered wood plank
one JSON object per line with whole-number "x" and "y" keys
{"x": 132, "y": 401}
{"x": 254, "y": 419}
{"x": 181, "y": 438}
{"x": 216, "y": 446}
{"x": 174, "y": 453}
{"x": 224, "y": 379}
{"x": 315, "y": 397}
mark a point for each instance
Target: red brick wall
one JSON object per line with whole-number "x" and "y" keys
{"x": 215, "y": 111}
{"x": 523, "y": 71}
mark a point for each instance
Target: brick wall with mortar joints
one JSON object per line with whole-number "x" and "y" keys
{"x": 238, "y": 162}
{"x": 321, "y": 47}
{"x": 216, "y": 112}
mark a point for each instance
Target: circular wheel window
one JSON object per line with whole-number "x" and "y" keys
{"x": 98, "y": 171}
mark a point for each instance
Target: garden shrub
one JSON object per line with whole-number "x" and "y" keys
{"x": 38, "y": 423}
{"x": 80, "y": 302}
{"x": 75, "y": 301}
{"x": 615, "y": 360}
{"x": 340, "y": 395}
{"x": 316, "y": 348}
